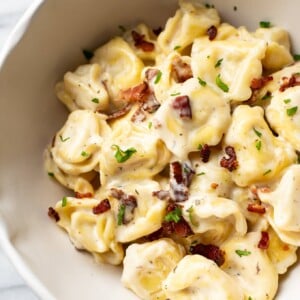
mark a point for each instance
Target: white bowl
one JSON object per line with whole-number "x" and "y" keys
{"x": 47, "y": 42}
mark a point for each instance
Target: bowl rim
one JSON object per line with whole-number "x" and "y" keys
{"x": 12, "y": 254}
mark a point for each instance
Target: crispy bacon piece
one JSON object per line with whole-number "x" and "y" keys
{"x": 139, "y": 42}
{"x": 151, "y": 73}
{"x": 157, "y": 31}
{"x": 212, "y": 32}
{"x": 161, "y": 195}
{"x": 83, "y": 195}
{"x": 182, "y": 228}
{"x": 182, "y": 104}
{"x": 102, "y": 207}
{"x": 231, "y": 162}
{"x": 178, "y": 183}
{"x": 150, "y": 104}
{"x": 139, "y": 116}
{"x": 120, "y": 113}
{"x": 205, "y": 153}
{"x": 264, "y": 241}
{"x": 136, "y": 93}
{"x": 52, "y": 213}
{"x": 294, "y": 80}
{"x": 258, "y": 83}
{"x": 214, "y": 185}
{"x": 181, "y": 71}
{"x": 211, "y": 252}
{"x": 256, "y": 208}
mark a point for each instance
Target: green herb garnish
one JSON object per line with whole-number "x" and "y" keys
{"x": 190, "y": 211}
{"x": 95, "y": 100}
{"x": 174, "y": 215}
{"x": 296, "y": 57}
{"x": 63, "y": 139}
{"x": 258, "y": 133}
{"x": 265, "y": 24}
{"x": 177, "y": 47}
{"x": 241, "y": 253}
{"x": 223, "y": 86}
{"x": 286, "y": 101}
{"x": 175, "y": 94}
{"x": 88, "y": 54}
{"x": 50, "y": 174}
{"x": 267, "y": 172}
{"x": 219, "y": 62}
{"x": 201, "y": 173}
{"x": 258, "y": 144}
{"x": 291, "y": 111}
{"x": 84, "y": 154}
{"x": 267, "y": 96}
{"x": 64, "y": 202}
{"x": 200, "y": 147}
{"x": 150, "y": 125}
{"x": 158, "y": 77}
{"x": 121, "y": 156}
{"x": 201, "y": 82}
{"x": 121, "y": 214}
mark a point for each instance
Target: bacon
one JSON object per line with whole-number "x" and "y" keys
{"x": 83, "y": 195}
{"x": 205, "y": 153}
{"x": 211, "y": 252}
{"x": 139, "y": 42}
{"x": 182, "y": 104}
{"x": 151, "y": 104}
{"x": 161, "y": 195}
{"x": 178, "y": 185}
{"x": 157, "y": 31}
{"x": 182, "y": 228}
{"x": 136, "y": 93}
{"x": 181, "y": 71}
{"x": 231, "y": 162}
{"x": 120, "y": 113}
{"x": 214, "y": 185}
{"x": 264, "y": 241}
{"x": 52, "y": 213}
{"x": 139, "y": 116}
{"x": 294, "y": 80}
{"x": 102, "y": 207}
{"x": 212, "y": 32}
{"x": 258, "y": 83}
{"x": 151, "y": 73}
{"x": 256, "y": 208}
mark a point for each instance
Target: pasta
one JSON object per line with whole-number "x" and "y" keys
{"x": 181, "y": 154}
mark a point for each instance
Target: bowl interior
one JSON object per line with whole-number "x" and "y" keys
{"x": 31, "y": 114}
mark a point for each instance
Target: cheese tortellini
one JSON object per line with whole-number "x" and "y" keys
{"x": 181, "y": 154}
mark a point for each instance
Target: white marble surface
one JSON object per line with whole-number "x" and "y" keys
{"x": 12, "y": 286}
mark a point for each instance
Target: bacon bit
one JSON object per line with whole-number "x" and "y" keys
{"x": 139, "y": 116}
{"x": 155, "y": 235}
{"x": 294, "y": 80}
{"x": 157, "y": 31}
{"x": 102, "y": 207}
{"x": 253, "y": 190}
{"x": 83, "y": 195}
{"x": 265, "y": 189}
{"x": 230, "y": 163}
{"x": 214, "y": 185}
{"x": 212, "y": 32}
{"x": 211, "y": 252}
{"x": 120, "y": 113}
{"x": 205, "y": 153}
{"x": 136, "y": 93}
{"x": 151, "y": 73}
{"x": 258, "y": 83}
{"x": 256, "y": 208}
{"x": 52, "y": 213}
{"x": 161, "y": 195}
{"x": 182, "y": 228}
{"x": 178, "y": 183}
{"x": 151, "y": 104}
{"x": 285, "y": 247}
{"x": 264, "y": 241}
{"x": 182, "y": 103}
{"x": 139, "y": 42}
{"x": 181, "y": 71}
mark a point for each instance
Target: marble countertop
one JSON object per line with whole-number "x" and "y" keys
{"x": 12, "y": 286}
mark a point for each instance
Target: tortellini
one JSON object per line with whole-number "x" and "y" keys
{"x": 147, "y": 265}
{"x": 182, "y": 149}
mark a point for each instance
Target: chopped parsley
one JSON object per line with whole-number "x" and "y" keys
{"x": 286, "y": 101}
{"x": 175, "y": 94}
{"x": 88, "y": 54}
{"x": 50, "y": 174}
{"x": 267, "y": 96}
{"x": 296, "y": 57}
{"x": 121, "y": 214}
{"x": 258, "y": 144}
{"x": 64, "y": 202}
{"x": 250, "y": 298}
{"x": 267, "y": 172}
{"x": 258, "y": 133}
{"x": 223, "y": 86}
{"x": 190, "y": 211}
{"x": 201, "y": 173}
{"x": 201, "y": 82}
{"x": 218, "y": 63}
{"x": 158, "y": 77}
{"x": 150, "y": 125}
{"x": 200, "y": 147}
{"x": 174, "y": 215}
{"x": 265, "y": 24}
{"x": 84, "y": 154}
{"x": 241, "y": 253}
{"x": 122, "y": 156}
{"x": 291, "y": 111}
{"x": 63, "y": 139}
{"x": 95, "y": 100}
{"x": 177, "y": 47}
{"x": 122, "y": 28}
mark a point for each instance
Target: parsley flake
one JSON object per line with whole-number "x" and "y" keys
{"x": 200, "y": 147}
{"x": 84, "y": 154}
{"x": 174, "y": 215}
{"x": 95, "y": 100}
{"x": 64, "y": 202}
{"x": 121, "y": 214}
{"x": 296, "y": 57}
{"x": 250, "y": 298}
{"x": 265, "y": 24}
{"x": 218, "y": 63}
{"x": 150, "y": 125}
{"x": 50, "y": 174}
{"x": 177, "y": 47}
{"x": 258, "y": 144}
{"x": 190, "y": 211}
{"x": 201, "y": 173}
{"x": 267, "y": 172}
{"x": 175, "y": 94}
{"x": 267, "y": 96}
{"x": 286, "y": 101}
{"x": 241, "y": 253}
{"x": 201, "y": 82}
{"x": 291, "y": 111}
{"x": 223, "y": 86}
{"x": 258, "y": 133}
{"x": 63, "y": 139}
{"x": 87, "y": 54}
{"x": 158, "y": 77}
{"x": 122, "y": 156}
